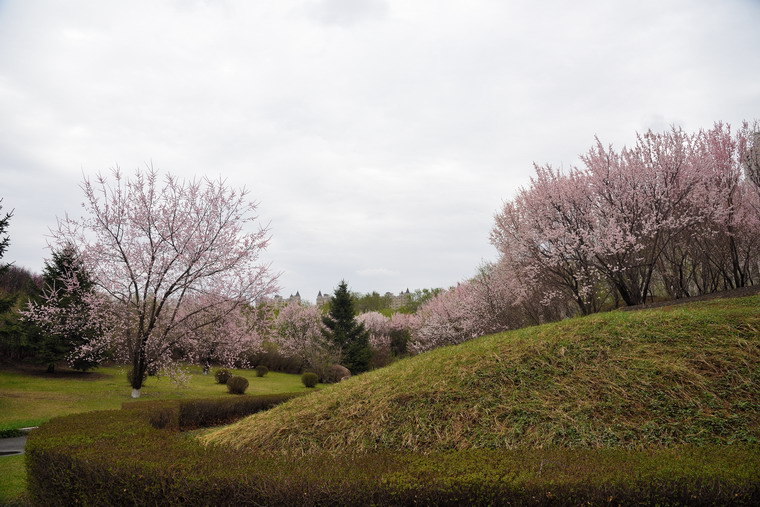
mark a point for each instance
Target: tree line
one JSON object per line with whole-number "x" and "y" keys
{"x": 161, "y": 271}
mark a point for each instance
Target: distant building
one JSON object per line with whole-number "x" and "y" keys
{"x": 402, "y": 299}
{"x": 281, "y": 301}
{"x": 396, "y": 301}
{"x": 323, "y": 299}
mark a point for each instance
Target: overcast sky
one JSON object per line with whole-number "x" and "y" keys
{"x": 379, "y": 137}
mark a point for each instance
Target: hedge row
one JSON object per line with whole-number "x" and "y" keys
{"x": 202, "y": 413}
{"x": 119, "y": 457}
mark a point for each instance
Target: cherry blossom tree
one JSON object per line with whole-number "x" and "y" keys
{"x": 379, "y": 328}
{"x": 670, "y": 213}
{"x": 168, "y": 257}
{"x": 751, "y": 151}
{"x": 544, "y": 234}
{"x": 639, "y": 204}
{"x": 298, "y": 330}
{"x": 449, "y": 318}
{"x": 220, "y": 331}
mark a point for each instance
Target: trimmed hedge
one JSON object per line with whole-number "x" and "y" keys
{"x": 192, "y": 414}
{"x": 119, "y": 457}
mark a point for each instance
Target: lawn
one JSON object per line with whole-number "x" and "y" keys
{"x": 29, "y": 397}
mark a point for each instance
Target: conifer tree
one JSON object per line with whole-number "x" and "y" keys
{"x": 65, "y": 275}
{"x": 342, "y": 329}
{"x": 4, "y": 240}
{"x": 5, "y": 302}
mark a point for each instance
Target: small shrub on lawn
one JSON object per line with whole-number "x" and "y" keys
{"x": 336, "y": 373}
{"x": 261, "y": 370}
{"x": 222, "y": 375}
{"x": 237, "y": 384}
{"x": 309, "y": 379}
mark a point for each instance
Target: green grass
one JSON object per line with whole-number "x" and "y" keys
{"x": 681, "y": 375}
{"x": 13, "y": 474}
{"x": 30, "y": 397}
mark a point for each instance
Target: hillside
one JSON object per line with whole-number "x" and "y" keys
{"x": 687, "y": 374}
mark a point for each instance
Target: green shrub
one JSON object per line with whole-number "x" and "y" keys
{"x": 237, "y": 384}
{"x": 309, "y": 379}
{"x": 10, "y": 433}
{"x": 116, "y": 457}
{"x": 195, "y": 414}
{"x": 261, "y": 370}
{"x": 222, "y": 375}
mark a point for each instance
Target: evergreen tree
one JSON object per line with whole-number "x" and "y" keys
{"x": 342, "y": 329}
{"x": 52, "y": 347}
{"x": 5, "y": 302}
{"x": 4, "y": 240}
{"x": 17, "y": 286}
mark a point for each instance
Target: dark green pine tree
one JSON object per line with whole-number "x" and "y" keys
{"x": 348, "y": 335}
{"x": 5, "y": 302}
{"x": 52, "y": 348}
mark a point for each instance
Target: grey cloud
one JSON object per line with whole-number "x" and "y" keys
{"x": 347, "y": 12}
{"x": 375, "y": 135}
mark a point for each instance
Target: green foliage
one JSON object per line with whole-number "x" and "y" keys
{"x": 343, "y": 331}
{"x": 50, "y": 348}
{"x": 237, "y": 384}
{"x": 4, "y": 239}
{"x": 118, "y": 458}
{"x": 310, "y": 379}
{"x": 418, "y": 298}
{"x": 372, "y": 302}
{"x": 10, "y": 433}
{"x": 261, "y": 370}
{"x": 204, "y": 412}
{"x": 222, "y": 375}
{"x": 399, "y": 342}
{"x": 17, "y": 334}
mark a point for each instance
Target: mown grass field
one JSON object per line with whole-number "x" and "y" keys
{"x": 29, "y": 397}
{"x": 680, "y": 375}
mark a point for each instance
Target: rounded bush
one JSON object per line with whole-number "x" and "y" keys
{"x": 261, "y": 370}
{"x": 336, "y": 373}
{"x": 222, "y": 375}
{"x": 309, "y": 379}
{"x": 237, "y": 385}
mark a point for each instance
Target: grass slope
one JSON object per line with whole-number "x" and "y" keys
{"x": 685, "y": 374}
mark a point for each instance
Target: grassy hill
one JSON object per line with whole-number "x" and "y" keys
{"x": 687, "y": 374}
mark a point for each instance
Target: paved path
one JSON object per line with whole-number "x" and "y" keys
{"x": 12, "y": 446}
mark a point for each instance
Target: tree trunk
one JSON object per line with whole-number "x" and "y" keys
{"x": 51, "y": 368}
